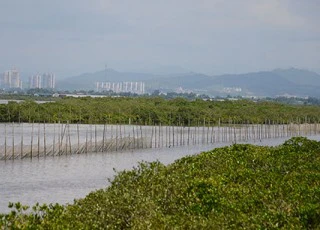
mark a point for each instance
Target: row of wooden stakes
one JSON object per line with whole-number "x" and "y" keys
{"x": 27, "y": 140}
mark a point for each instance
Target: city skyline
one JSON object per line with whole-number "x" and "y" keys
{"x": 11, "y": 79}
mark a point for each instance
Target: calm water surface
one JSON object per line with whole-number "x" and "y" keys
{"x": 62, "y": 179}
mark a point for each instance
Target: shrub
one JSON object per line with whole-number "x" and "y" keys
{"x": 240, "y": 186}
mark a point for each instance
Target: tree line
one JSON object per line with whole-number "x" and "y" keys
{"x": 155, "y": 111}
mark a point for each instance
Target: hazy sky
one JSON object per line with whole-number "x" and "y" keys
{"x": 208, "y": 36}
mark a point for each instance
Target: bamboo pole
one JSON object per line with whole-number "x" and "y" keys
{"x": 188, "y": 141}
{"x": 219, "y": 130}
{"x": 95, "y": 138}
{"x": 59, "y": 138}
{"x": 138, "y": 130}
{"x": 86, "y": 143}
{"x": 5, "y": 141}
{"x": 173, "y": 136}
{"x": 103, "y": 136}
{"x": 78, "y": 137}
{"x": 44, "y": 139}
{"x": 240, "y": 131}
{"x": 203, "y": 131}
{"x": 31, "y": 152}
{"x": 150, "y": 145}
{"x": 179, "y": 140}
{"x": 121, "y": 139}
{"x": 253, "y": 132}
{"x": 142, "y": 144}
{"x": 234, "y": 133}
{"x": 159, "y": 135}
{"x": 66, "y": 135}
{"x": 155, "y": 135}
{"x": 116, "y": 137}
{"x": 182, "y": 134}
{"x": 13, "y": 140}
{"x": 212, "y": 136}
{"x": 91, "y": 138}
{"x": 169, "y": 128}
{"x": 166, "y": 135}
{"x": 208, "y": 131}
{"x": 86, "y": 140}
{"x": 38, "y": 139}
{"x": 198, "y": 132}
{"x": 310, "y": 128}
{"x": 21, "y": 150}
{"x": 225, "y": 132}
{"x": 54, "y": 139}
{"x": 134, "y": 138}
{"x": 69, "y": 139}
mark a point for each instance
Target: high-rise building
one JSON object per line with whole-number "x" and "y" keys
{"x": 121, "y": 87}
{"x": 11, "y": 79}
{"x": 44, "y": 81}
{"x": 48, "y": 81}
{"x": 35, "y": 82}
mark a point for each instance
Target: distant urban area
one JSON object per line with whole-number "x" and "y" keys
{"x": 295, "y": 86}
{"x": 10, "y": 80}
{"x": 121, "y": 87}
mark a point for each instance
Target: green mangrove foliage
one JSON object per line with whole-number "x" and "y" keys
{"x": 237, "y": 187}
{"x": 149, "y": 111}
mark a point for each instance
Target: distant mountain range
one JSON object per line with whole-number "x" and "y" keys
{"x": 296, "y": 82}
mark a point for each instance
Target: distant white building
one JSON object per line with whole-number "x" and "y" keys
{"x": 35, "y": 82}
{"x": 48, "y": 81}
{"x": 232, "y": 90}
{"x": 44, "y": 81}
{"x": 121, "y": 87}
{"x": 11, "y": 79}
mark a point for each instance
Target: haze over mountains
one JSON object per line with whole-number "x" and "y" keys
{"x": 295, "y": 82}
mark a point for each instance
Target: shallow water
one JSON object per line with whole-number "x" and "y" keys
{"x": 62, "y": 179}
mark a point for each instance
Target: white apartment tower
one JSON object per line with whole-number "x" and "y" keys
{"x": 35, "y": 82}
{"x": 44, "y": 81}
{"x": 48, "y": 81}
{"x": 121, "y": 87}
{"x": 11, "y": 79}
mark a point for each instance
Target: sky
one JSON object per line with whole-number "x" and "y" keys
{"x": 69, "y": 37}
